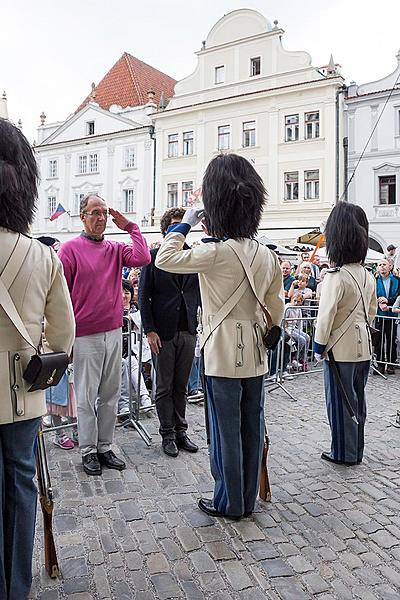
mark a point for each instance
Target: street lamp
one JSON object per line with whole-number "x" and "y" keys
{"x": 144, "y": 221}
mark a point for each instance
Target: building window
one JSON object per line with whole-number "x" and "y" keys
{"x": 219, "y": 74}
{"x": 291, "y": 128}
{"x": 83, "y": 164}
{"x": 129, "y": 200}
{"x": 255, "y": 66}
{"x": 129, "y": 158}
{"x": 93, "y": 163}
{"x": 76, "y": 209}
{"x": 53, "y": 168}
{"x": 292, "y": 185}
{"x": 311, "y": 125}
{"x": 187, "y": 191}
{"x": 249, "y": 134}
{"x": 387, "y": 190}
{"x": 90, "y": 128}
{"x": 311, "y": 184}
{"x": 187, "y": 143}
{"x": 172, "y": 199}
{"x": 398, "y": 122}
{"x": 51, "y": 205}
{"x": 224, "y": 137}
{"x": 173, "y": 145}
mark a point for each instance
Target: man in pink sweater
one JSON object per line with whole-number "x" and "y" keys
{"x": 93, "y": 268}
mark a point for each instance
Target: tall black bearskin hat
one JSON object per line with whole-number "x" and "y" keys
{"x": 346, "y": 234}
{"x": 18, "y": 179}
{"x": 234, "y": 197}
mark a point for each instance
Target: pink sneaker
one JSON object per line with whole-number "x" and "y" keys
{"x": 63, "y": 441}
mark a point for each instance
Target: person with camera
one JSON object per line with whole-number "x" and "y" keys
{"x": 32, "y": 284}
{"x": 232, "y": 323}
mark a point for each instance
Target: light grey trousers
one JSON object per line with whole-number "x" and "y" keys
{"x": 97, "y": 380}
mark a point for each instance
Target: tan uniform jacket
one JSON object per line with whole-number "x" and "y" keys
{"x": 340, "y": 297}
{"x": 39, "y": 290}
{"x": 235, "y": 348}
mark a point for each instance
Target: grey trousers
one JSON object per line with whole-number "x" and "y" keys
{"x": 236, "y": 422}
{"x": 173, "y": 365}
{"x": 97, "y": 380}
{"x": 347, "y": 437}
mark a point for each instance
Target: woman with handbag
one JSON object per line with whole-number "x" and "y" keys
{"x": 237, "y": 278}
{"x": 346, "y": 309}
{"x": 32, "y": 287}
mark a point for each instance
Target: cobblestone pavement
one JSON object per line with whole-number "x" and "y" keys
{"x": 331, "y": 532}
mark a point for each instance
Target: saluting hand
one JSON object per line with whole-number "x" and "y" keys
{"x": 120, "y": 221}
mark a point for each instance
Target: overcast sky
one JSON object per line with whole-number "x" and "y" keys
{"x": 51, "y": 50}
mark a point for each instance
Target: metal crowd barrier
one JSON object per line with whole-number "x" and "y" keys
{"x": 133, "y": 414}
{"x": 386, "y": 352}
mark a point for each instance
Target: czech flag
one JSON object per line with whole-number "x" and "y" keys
{"x": 60, "y": 210}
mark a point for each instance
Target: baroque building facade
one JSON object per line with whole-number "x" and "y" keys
{"x": 107, "y": 146}
{"x": 372, "y": 114}
{"x": 251, "y": 96}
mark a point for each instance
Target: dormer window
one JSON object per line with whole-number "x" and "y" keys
{"x": 219, "y": 74}
{"x": 255, "y": 66}
{"x": 90, "y": 128}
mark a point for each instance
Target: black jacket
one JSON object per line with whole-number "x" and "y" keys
{"x": 160, "y": 297}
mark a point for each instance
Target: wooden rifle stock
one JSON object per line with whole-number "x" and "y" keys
{"x": 265, "y": 489}
{"x": 47, "y": 504}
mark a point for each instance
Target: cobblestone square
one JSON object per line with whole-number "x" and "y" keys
{"x": 331, "y": 532}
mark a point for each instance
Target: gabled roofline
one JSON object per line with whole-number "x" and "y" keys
{"x": 77, "y": 115}
{"x": 92, "y": 138}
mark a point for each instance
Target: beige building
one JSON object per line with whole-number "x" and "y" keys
{"x": 250, "y": 96}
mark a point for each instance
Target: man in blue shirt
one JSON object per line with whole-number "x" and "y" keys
{"x": 387, "y": 290}
{"x": 286, "y": 268}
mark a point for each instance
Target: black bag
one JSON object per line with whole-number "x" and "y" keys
{"x": 375, "y": 335}
{"x": 272, "y": 337}
{"x": 45, "y": 370}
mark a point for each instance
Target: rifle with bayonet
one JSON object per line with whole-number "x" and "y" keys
{"x": 47, "y": 504}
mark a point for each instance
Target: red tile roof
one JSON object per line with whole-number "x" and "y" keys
{"x": 128, "y": 82}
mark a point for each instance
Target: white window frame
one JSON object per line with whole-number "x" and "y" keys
{"x": 129, "y": 198}
{"x": 253, "y": 62}
{"x": 130, "y": 158}
{"x": 291, "y": 188}
{"x": 248, "y": 134}
{"x": 90, "y": 128}
{"x": 387, "y": 176}
{"x": 93, "y": 162}
{"x": 187, "y": 143}
{"x": 311, "y": 185}
{"x": 76, "y": 207}
{"x": 224, "y": 137}
{"x": 187, "y": 191}
{"x": 311, "y": 127}
{"x": 173, "y": 145}
{"x": 82, "y": 164}
{"x": 219, "y": 74}
{"x": 172, "y": 195}
{"x": 51, "y": 205}
{"x": 52, "y": 168}
{"x": 292, "y": 128}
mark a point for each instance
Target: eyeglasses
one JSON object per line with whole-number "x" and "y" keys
{"x": 97, "y": 213}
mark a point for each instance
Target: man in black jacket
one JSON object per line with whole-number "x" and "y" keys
{"x": 168, "y": 306}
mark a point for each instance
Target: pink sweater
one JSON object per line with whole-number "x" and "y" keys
{"x": 93, "y": 271}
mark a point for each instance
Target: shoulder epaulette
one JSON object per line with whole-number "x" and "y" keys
{"x": 333, "y": 270}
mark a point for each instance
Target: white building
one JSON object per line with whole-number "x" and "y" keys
{"x": 3, "y": 106}
{"x": 250, "y": 96}
{"x": 106, "y": 146}
{"x": 376, "y": 182}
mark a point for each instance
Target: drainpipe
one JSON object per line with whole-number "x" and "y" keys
{"x": 153, "y": 208}
{"x": 337, "y": 165}
{"x": 346, "y": 167}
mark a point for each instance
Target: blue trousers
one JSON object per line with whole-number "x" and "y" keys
{"x": 347, "y": 437}
{"x": 18, "y": 496}
{"x": 236, "y": 421}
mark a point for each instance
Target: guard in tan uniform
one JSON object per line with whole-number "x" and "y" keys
{"x": 347, "y": 307}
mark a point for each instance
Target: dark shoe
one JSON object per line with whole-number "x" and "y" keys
{"x": 207, "y": 506}
{"x": 248, "y": 513}
{"x": 184, "y": 443}
{"x": 170, "y": 448}
{"x": 108, "y": 459}
{"x": 91, "y": 464}
{"x": 390, "y": 370}
{"x": 328, "y": 457}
